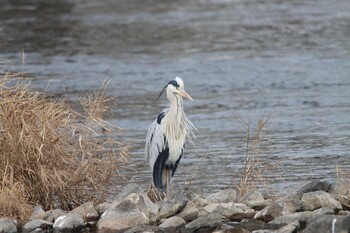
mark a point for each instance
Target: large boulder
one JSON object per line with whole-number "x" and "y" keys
{"x": 37, "y": 225}
{"x": 116, "y": 221}
{"x": 328, "y": 223}
{"x": 318, "y": 199}
{"x": 8, "y": 225}
{"x": 68, "y": 223}
{"x": 87, "y": 212}
{"x": 134, "y": 210}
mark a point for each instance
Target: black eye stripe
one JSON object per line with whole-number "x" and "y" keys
{"x": 174, "y": 83}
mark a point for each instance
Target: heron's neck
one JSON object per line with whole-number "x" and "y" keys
{"x": 174, "y": 122}
{"x": 176, "y": 109}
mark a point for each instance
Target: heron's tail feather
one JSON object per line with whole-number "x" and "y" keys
{"x": 160, "y": 170}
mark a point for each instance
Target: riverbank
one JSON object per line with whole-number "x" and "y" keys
{"x": 318, "y": 206}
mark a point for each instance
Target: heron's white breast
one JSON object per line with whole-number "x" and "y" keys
{"x": 175, "y": 149}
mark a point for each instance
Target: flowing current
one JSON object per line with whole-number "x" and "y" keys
{"x": 240, "y": 60}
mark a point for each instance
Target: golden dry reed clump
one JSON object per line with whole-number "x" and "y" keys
{"x": 49, "y": 153}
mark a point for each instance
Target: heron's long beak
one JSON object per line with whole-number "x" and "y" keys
{"x": 184, "y": 94}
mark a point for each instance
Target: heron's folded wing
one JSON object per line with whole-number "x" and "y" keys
{"x": 155, "y": 142}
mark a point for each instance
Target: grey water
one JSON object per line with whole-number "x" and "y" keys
{"x": 285, "y": 60}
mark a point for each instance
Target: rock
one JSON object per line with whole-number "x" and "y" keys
{"x": 139, "y": 201}
{"x": 87, "y": 212}
{"x": 324, "y": 211}
{"x": 342, "y": 187}
{"x": 344, "y": 212}
{"x": 318, "y": 199}
{"x": 202, "y": 212}
{"x": 170, "y": 208}
{"x": 38, "y": 230}
{"x": 259, "y": 205}
{"x": 143, "y": 229}
{"x": 113, "y": 220}
{"x": 253, "y": 196}
{"x": 241, "y": 206}
{"x": 37, "y": 224}
{"x": 101, "y": 208}
{"x": 291, "y": 205}
{"x": 208, "y": 222}
{"x": 314, "y": 185}
{"x": 189, "y": 213}
{"x": 302, "y": 217}
{"x": 252, "y": 225}
{"x": 223, "y": 196}
{"x": 342, "y": 190}
{"x": 279, "y": 208}
{"x": 212, "y": 206}
{"x": 290, "y": 228}
{"x": 328, "y": 223}
{"x": 68, "y": 223}
{"x": 173, "y": 223}
{"x": 38, "y": 213}
{"x": 197, "y": 199}
{"x": 270, "y": 212}
{"x": 226, "y": 228}
{"x": 8, "y": 225}
{"x": 129, "y": 189}
{"x": 52, "y": 215}
{"x": 132, "y": 211}
{"x": 234, "y": 213}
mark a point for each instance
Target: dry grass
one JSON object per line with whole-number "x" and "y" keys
{"x": 342, "y": 187}
{"x": 252, "y": 173}
{"x": 50, "y": 154}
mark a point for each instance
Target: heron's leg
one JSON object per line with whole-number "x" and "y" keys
{"x": 167, "y": 182}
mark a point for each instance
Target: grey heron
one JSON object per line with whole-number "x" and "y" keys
{"x": 165, "y": 140}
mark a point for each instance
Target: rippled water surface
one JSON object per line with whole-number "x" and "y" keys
{"x": 287, "y": 60}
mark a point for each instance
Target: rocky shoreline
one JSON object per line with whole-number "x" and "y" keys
{"x": 314, "y": 207}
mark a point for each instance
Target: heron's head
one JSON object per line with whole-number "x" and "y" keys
{"x": 176, "y": 87}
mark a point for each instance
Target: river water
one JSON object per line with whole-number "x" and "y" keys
{"x": 285, "y": 60}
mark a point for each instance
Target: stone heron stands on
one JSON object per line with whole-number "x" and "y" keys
{"x": 165, "y": 140}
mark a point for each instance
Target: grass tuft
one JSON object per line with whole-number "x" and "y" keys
{"x": 50, "y": 154}
{"x": 252, "y": 173}
{"x": 342, "y": 187}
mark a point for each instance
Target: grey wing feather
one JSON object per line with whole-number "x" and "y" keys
{"x": 155, "y": 141}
